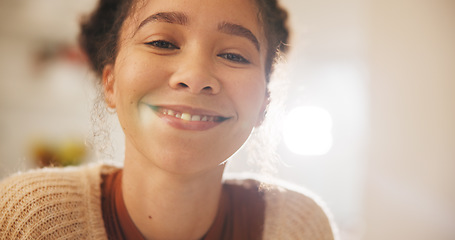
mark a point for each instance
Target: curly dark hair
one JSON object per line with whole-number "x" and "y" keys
{"x": 100, "y": 31}
{"x": 274, "y": 20}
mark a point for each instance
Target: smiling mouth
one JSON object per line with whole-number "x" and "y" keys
{"x": 186, "y": 116}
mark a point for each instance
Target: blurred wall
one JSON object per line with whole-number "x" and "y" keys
{"x": 410, "y": 191}
{"x": 45, "y": 95}
{"x": 327, "y": 69}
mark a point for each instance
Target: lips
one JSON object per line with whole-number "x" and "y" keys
{"x": 188, "y": 118}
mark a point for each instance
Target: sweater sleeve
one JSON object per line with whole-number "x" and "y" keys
{"x": 293, "y": 215}
{"x": 51, "y": 204}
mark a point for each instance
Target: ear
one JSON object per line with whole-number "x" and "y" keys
{"x": 108, "y": 85}
{"x": 263, "y": 110}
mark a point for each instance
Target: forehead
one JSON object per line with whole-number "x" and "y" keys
{"x": 206, "y": 12}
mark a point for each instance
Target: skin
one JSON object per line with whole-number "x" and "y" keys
{"x": 188, "y": 64}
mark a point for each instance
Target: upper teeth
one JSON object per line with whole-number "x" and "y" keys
{"x": 187, "y": 116}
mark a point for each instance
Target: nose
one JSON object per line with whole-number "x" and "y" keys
{"x": 195, "y": 74}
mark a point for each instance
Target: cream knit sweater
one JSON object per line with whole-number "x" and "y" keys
{"x": 65, "y": 204}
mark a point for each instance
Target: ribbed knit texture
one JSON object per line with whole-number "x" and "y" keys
{"x": 66, "y": 204}
{"x": 52, "y": 204}
{"x": 292, "y": 215}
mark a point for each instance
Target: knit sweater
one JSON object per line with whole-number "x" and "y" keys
{"x": 66, "y": 204}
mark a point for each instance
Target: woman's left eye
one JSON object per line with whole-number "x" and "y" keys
{"x": 234, "y": 58}
{"x": 162, "y": 44}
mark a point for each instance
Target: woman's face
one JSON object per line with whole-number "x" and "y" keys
{"x": 188, "y": 82}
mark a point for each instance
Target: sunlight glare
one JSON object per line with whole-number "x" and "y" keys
{"x": 308, "y": 131}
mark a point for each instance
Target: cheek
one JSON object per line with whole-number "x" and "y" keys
{"x": 139, "y": 76}
{"x": 249, "y": 95}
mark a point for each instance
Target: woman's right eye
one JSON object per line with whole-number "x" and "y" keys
{"x": 162, "y": 44}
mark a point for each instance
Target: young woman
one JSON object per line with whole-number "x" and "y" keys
{"x": 188, "y": 80}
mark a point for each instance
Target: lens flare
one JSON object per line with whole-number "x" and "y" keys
{"x": 308, "y": 131}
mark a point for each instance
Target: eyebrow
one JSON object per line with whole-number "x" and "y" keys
{"x": 167, "y": 17}
{"x": 182, "y": 19}
{"x": 239, "y": 30}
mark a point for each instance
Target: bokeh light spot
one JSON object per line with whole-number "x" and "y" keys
{"x": 308, "y": 131}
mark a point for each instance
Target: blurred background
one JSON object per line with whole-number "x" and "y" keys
{"x": 369, "y": 123}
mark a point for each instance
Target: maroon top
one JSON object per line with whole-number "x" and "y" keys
{"x": 240, "y": 213}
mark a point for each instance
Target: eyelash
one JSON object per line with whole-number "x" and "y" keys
{"x": 162, "y": 44}
{"x": 234, "y": 58}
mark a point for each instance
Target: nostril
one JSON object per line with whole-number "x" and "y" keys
{"x": 195, "y": 86}
{"x": 183, "y": 85}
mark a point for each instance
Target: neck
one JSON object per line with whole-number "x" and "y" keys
{"x": 166, "y": 205}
